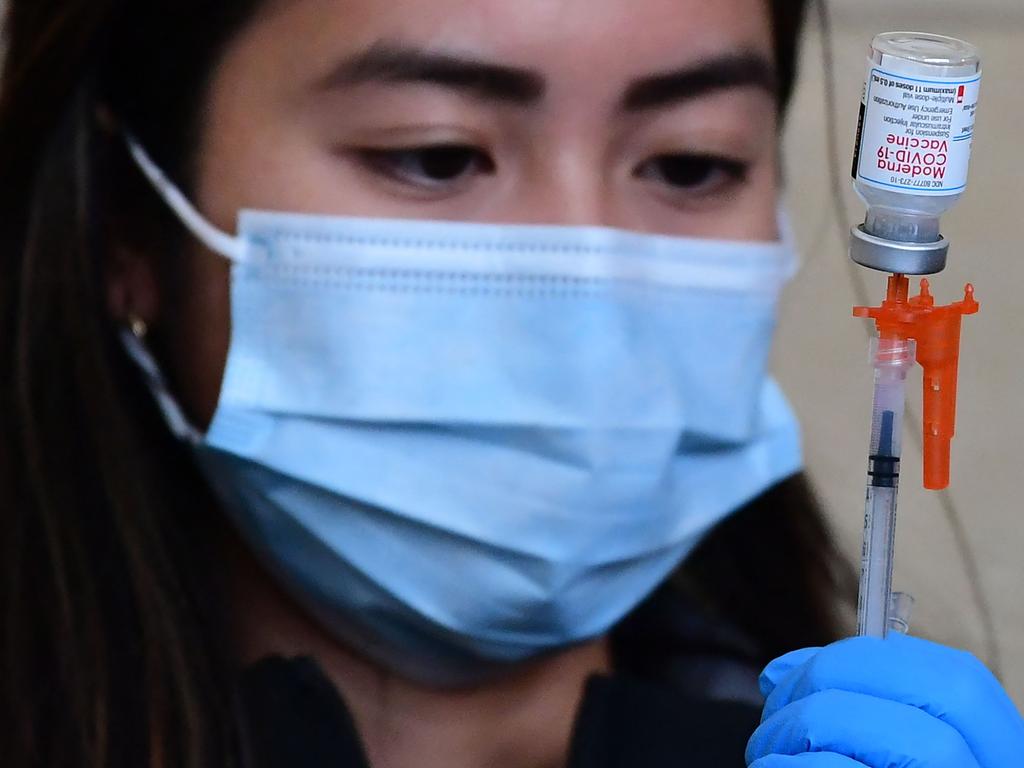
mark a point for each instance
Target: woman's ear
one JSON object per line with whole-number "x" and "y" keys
{"x": 132, "y": 291}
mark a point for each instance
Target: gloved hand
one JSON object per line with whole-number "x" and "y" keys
{"x": 900, "y": 703}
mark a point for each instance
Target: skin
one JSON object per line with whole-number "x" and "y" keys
{"x": 277, "y": 137}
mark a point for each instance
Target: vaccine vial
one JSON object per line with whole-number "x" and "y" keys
{"x": 913, "y": 147}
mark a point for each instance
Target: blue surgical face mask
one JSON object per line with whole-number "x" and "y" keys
{"x": 464, "y": 445}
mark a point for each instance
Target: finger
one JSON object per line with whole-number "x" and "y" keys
{"x": 782, "y": 666}
{"x": 807, "y": 760}
{"x": 948, "y": 684}
{"x": 876, "y": 732}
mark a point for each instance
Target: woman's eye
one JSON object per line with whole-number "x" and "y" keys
{"x": 700, "y": 174}
{"x": 431, "y": 166}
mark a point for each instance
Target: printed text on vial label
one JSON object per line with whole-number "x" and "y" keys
{"x": 917, "y": 133}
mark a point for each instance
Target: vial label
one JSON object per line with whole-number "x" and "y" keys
{"x": 915, "y": 133}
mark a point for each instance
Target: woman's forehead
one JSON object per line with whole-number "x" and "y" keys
{"x": 594, "y": 39}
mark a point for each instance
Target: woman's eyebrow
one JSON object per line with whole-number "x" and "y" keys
{"x": 393, "y": 63}
{"x": 723, "y": 72}
{"x": 491, "y": 81}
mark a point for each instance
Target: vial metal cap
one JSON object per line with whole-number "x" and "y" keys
{"x": 897, "y": 257}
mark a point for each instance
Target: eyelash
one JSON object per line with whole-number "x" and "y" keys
{"x": 443, "y": 166}
{"x": 696, "y": 174}
{"x": 434, "y": 166}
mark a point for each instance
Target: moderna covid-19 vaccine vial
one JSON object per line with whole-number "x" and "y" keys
{"x": 913, "y": 147}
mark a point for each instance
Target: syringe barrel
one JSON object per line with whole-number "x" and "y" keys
{"x": 913, "y": 147}
{"x": 891, "y": 359}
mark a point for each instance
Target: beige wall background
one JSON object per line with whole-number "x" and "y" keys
{"x": 821, "y": 353}
{"x": 821, "y": 358}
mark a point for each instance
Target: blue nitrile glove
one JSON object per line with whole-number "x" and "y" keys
{"x": 900, "y": 703}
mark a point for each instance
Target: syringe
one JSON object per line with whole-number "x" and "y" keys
{"x": 910, "y": 166}
{"x": 891, "y": 358}
{"x": 909, "y": 329}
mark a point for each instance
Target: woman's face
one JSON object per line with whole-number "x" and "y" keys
{"x": 652, "y": 115}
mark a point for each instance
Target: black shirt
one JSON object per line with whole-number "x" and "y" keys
{"x": 295, "y": 717}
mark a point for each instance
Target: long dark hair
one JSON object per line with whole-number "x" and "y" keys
{"x": 113, "y": 645}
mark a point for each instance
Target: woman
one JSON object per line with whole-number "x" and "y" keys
{"x": 477, "y": 466}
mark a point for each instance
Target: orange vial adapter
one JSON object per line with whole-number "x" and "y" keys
{"x": 936, "y": 332}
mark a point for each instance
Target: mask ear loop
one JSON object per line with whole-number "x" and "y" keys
{"x": 226, "y": 245}
{"x": 175, "y": 417}
{"x": 229, "y": 246}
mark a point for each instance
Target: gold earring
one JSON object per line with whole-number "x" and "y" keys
{"x": 137, "y": 326}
